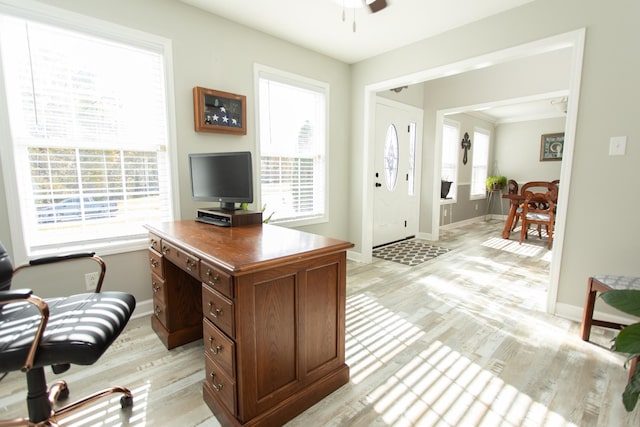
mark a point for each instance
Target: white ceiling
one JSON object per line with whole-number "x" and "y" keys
{"x": 544, "y": 106}
{"x": 318, "y": 25}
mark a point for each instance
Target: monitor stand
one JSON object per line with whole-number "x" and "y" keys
{"x": 234, "y": 218}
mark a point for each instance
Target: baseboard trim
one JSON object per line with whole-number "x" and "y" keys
{"x": 355, "y": 256}
{"x": 572, "y": 312}
{"x": 143, "y": 308}
{"x": 463, "y": 222}
{"x": 424, "y": 236}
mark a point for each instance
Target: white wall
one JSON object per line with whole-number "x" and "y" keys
{"x": 517, "y": 151}
{"x": 468, "y": 124}
{"x": 412, "y": 95}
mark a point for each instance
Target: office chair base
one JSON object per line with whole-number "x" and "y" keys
{"x": 59, "y": 390}
{"x": 126, "y": 401}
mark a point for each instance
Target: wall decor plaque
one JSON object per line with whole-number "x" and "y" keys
{"x": 219, "y": 112}
{"x": 551, "y": 146}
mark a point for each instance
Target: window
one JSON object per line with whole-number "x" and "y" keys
{"x": 411, "y": 184}
{"x": 89, "y": 136}
{"x": 480, "y": 162}
{"x": 292, "y": 122}
{"x": 449, "y": 168}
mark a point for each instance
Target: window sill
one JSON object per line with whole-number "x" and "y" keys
{"x": 101, "y": 248}
{"x": 300, "y": 222}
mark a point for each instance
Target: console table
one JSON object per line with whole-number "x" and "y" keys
{"x": 270, "y": 304}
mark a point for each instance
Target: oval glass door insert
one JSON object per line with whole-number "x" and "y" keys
{"x": 391, "y": 157}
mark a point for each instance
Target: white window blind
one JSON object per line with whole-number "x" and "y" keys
{"x": 449, "y": 167}
{"x": 292, "y": 122}
{"x": 480, "y": 163}
{"x": 89, "y": 134}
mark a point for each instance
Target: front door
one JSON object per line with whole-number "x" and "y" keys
{"x": 396, "y": 172}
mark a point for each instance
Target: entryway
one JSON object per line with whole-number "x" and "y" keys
{"x": 396, "y": 204}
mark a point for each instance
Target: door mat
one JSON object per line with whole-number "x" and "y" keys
{"x": 409, "y": 252}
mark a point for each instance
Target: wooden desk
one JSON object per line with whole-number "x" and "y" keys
{"x": 274, "y": 314}
{"x": 515, "y": 200}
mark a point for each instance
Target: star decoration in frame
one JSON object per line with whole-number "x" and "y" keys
{"x": 219, "y": 112}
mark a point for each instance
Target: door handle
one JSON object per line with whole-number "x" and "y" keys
{"x": 378, "y": 184}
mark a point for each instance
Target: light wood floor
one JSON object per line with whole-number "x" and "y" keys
{"x": 461, "y": 340}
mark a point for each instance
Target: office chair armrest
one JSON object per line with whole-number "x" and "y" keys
{"x": 21, "y": 295}
{"x": 68, "y": 257}
{"x": 15, "y": 294}
{"x": 57, "y": 258}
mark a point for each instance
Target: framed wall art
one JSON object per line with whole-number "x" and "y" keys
{"x": 551, "y": 146}
{"x": 219, "y": 112}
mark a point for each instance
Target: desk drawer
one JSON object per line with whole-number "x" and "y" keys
{"x": 160, "y": 311}
{"x": 218, "y": 309}
{"x": 182, "y": 259}
{"x": 155, "y": 263}
{"x": 217, "y": 279}
{"x": 222, "y": 387}
{"x": 158, "y": 288}
{"x": 219, "y": 348}
{"x": 155, "y": 242}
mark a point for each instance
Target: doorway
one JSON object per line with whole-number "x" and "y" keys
{"x": 396, "y": 197}
{"x": 573, "y": 40}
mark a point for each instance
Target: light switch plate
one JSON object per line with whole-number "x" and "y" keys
{"x": 617, "y": 145}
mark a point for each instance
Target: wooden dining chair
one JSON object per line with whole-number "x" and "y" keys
{"x": 539, "y": 209}
{"x": 533, "y": 187}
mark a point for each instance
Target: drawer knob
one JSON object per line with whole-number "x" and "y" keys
{"x": 216, "y": 387}
{"x": 214, "y": 280}
{"x": 215, "y": 350}
{"x": 157, "y": 311}
{"x": 152, "y": 243}
{"x": 189, "y": 264}
{"x": 215, "y": 312}
{"x": 156, "y": 288}
{"x": 154, "y": 262}
{"x": 165, "y": 250}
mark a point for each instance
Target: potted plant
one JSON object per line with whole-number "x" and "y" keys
{"x": 628, "y": 340}
{"x": 496, "y": 182}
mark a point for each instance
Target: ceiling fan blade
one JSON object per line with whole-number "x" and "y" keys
{"x": 377, "y": 5}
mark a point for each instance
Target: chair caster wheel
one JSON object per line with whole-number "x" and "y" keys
{"x": 126, "y": 401}
{"x": 64, "y": 393}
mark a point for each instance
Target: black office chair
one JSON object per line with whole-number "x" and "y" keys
{"x": 57, "y": 332}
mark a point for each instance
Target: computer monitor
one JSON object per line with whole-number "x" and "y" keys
{"x": 222, "y": 177}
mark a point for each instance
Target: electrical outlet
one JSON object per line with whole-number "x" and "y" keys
{"x": 476, "y": 206}
{"x": 91, "y": 280}
{"x": 445, "y": 212}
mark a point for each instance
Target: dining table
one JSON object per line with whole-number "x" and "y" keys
{"x": 515, "y": 201}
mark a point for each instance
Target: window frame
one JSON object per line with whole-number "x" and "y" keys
{"x": 285, "y": 77}
{"x": 67, "y": 20}
{"x": 454, "y": 186}
{"x": 487, "y": 132}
